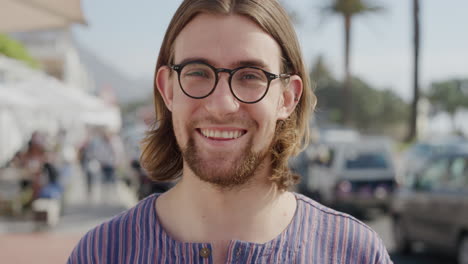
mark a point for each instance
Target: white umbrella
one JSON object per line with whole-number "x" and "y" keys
{"x": 10, "y": 136}
{"x": 27, "y": 15}
{"x": 66, "y": 104}
{"x": 10, "y": 98}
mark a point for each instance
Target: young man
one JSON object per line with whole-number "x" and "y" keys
{"x": 233, "y": 101}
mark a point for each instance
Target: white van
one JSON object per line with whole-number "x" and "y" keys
{"x": 358, "y": 174}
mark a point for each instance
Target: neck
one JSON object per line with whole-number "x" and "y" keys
{"x": 257, "y": 212}
{"x": 215, "y": 203}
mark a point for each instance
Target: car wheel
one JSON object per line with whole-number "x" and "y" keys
{"x": 402, "y": 243}
{"x": 463, "y": 250}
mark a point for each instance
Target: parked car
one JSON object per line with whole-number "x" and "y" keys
{"x": 433, "y": 209}
{"x": 352, "y": 176}
{"x": 417, "y": 155}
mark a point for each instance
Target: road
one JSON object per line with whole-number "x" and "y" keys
{"x": 382, "y": 225}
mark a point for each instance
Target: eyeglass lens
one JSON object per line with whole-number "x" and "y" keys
{"x": 247, "y": 84}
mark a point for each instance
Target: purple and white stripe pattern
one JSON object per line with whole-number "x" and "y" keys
{"x": 316, "y": 234}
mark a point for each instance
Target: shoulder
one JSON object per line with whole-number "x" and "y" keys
{"x": 120, "y": 236}
{"x": 338, "y": 235}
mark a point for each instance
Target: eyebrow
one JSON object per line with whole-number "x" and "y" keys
{"x": 252, "y": 62}
{"x": 240, "y": 63}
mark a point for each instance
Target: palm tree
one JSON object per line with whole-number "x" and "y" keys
{"x": 416, "y": 43}
{"x": 349, "y": 9}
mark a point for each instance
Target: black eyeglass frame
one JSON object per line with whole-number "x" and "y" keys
{"x": 270, "y": 77}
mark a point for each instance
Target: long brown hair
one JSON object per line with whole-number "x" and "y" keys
{"x": 161, "y": 156}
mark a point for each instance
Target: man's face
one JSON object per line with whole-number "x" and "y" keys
{"x": 224, "y": 141}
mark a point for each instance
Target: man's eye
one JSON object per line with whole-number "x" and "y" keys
{"x": 250, "y": 76}
{"x": 197, "y": 74}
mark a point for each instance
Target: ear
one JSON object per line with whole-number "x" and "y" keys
{"x": 290, "y": 97}
{"x": 164, "y": 85}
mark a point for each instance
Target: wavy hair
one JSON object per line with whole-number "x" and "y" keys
{"x": 161, "y": 156}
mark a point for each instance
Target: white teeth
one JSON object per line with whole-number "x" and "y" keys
{"x": 221, "y": 134}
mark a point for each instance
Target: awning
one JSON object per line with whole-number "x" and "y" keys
{"x": 28, "y": 15}
{"x": 11, "y": 139}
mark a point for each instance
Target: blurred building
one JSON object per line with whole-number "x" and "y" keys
{"x": 60, "y": 96}
{"x": 59, "y": 57}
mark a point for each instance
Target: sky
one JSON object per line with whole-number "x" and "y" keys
{"x": 128, "y": 34}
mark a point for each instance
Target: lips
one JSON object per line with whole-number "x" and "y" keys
{"x": 222, "y": 133}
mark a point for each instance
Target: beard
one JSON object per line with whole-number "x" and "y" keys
{"x": 222, "y": 170}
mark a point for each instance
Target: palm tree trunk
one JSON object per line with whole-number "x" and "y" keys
{"x": 416, "y": 43}
{"x": 347, "y": 100}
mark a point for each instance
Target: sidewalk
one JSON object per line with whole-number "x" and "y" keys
{"x": 19, "y": 243}
{"x": 119, "y": 193}
{"x": 38, "y": 248}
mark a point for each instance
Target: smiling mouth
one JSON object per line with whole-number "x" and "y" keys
{"x": 221, "y": 134}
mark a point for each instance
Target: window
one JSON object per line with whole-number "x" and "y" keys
{"x": 369, "y": 160}
{"x": 435, "y": 175}
{"x": 458, "y": 177}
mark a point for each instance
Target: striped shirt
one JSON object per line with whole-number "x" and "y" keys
{"x": 316, "y": 234}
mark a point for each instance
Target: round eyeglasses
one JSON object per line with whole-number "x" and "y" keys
{"x": 248, "y": 84}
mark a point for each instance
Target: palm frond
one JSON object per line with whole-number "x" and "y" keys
{"x": 351, "y": 7}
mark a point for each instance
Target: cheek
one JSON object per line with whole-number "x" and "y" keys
{"x": 180, "y": 118}
{"x": 267, "y": 116}
{"x": 266, "y": 119}
{"x": 271, "y": 106}
{"x": 176, "y": 121}
{"x": 275, "y": 98}
{"x": 181, "y": 103}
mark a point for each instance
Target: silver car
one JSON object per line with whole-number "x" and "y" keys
{"x": 433, "y": 209}
{"x": 351, "y": 176}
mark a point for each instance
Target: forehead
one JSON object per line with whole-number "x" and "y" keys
{"x": 226, "y": 40}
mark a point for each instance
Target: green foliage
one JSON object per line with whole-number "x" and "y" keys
{"x": 132, "y": 107}
{"x": 449, "y": 95}
{"x": 320, "y": 73}
{"x": 373, "y": 110}
{"x": 13, "y": 49}
{"x": 351, "y": 7}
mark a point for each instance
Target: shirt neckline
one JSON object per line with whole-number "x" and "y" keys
{"x": 292, "y": 228}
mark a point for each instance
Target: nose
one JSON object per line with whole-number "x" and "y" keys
{"x": 221, "y": 102}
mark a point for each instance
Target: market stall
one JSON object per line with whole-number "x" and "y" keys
{"x": 32, "y": 101}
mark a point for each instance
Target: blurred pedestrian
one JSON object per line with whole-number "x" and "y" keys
{"x": 65, "y": 160}
{"x": 34, "y": 160}
{"x": 89, "y": 166}
{"x": 233, "y": 102}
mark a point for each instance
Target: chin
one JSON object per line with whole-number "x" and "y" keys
{"x": 222, "y": 172}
